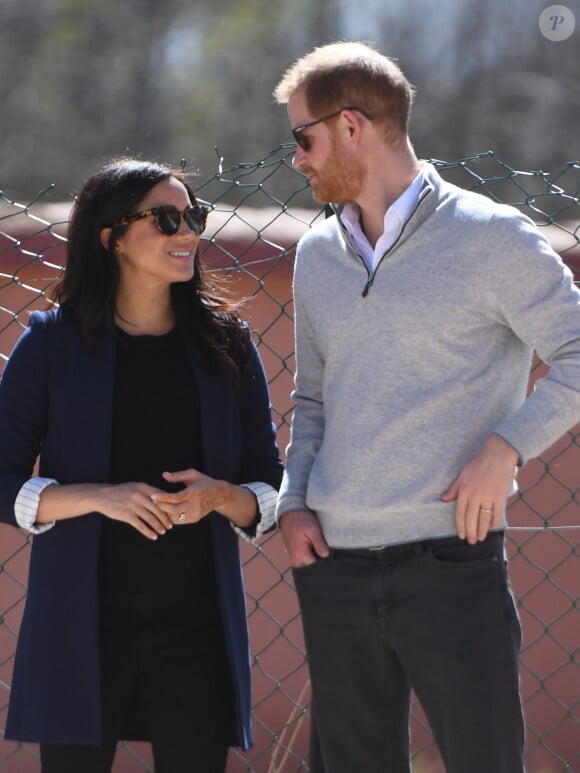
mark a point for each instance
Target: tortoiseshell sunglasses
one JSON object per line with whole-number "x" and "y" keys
{"x": 168, "y": 218}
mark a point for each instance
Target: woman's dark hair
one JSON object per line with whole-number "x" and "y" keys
{"x": 90, "y": 281}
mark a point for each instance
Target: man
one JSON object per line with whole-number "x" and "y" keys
{"x": 417, "y": 308}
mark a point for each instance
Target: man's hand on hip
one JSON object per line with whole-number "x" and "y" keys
{"x": 481, "y": 489}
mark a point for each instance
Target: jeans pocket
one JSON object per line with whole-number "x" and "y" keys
{"x": 460, "y": 553}
{"x": 306, "y": 567}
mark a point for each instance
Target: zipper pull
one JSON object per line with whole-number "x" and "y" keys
{"x": 368, "y": 286}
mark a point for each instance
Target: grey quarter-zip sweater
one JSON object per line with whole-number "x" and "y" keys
{"x": 402, "y": 374}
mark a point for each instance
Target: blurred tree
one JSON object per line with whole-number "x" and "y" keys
{"x": 244, "y": 54}
{"x": 490, "y": 80}
{"x": 82, "y": 81}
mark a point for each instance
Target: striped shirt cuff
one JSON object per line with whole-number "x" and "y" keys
{"x": 267, "y": 497}
{"x": 26, "y": 505}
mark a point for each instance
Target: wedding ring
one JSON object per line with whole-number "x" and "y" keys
{"x": 487, "y": 509}
{"x": 181, "y": 517}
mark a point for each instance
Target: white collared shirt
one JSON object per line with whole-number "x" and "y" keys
{"x": 395, "y": 218}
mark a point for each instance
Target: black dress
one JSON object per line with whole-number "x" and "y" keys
{"x": 162, "y": 645}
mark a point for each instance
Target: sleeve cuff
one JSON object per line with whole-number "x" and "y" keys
{"x": 267, "y": 496}
{"x": 26, "y": 505}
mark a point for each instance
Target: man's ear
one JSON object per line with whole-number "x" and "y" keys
{"x": 353, "y": 122}
{"x": 105, "y": 237}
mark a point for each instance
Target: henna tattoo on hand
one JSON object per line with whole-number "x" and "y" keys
{"x": 220, "y": 495}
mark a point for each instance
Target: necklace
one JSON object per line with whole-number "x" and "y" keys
{"x": 126, "y": 321}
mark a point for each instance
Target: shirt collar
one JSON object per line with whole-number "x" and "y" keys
{"x": 400, "y": 209}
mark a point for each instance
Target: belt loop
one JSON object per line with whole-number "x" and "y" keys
{"x": 421, "y": 547}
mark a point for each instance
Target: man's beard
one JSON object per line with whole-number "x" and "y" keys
{"x": 339, "y": 180}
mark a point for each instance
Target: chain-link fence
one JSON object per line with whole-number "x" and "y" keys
{"x": 259, "y": 210}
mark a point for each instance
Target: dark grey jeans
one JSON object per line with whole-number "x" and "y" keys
{"x": 437, "y": 617}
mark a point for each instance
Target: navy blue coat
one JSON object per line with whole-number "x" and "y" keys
{"x": 56, "y": 399}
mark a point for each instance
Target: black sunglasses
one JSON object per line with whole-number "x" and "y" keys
{"x": 304, "y": 142}
{"x": 168, "y": 218}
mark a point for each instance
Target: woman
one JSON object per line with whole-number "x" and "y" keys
{"x": 146, "y": 401}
